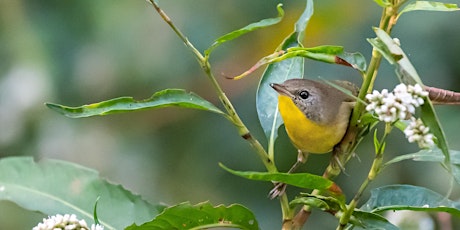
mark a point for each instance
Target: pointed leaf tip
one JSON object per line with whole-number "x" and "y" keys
{"x": 249, "y": 28}
{"x": 164, "y": 98}
{"x": 302, "y": 180}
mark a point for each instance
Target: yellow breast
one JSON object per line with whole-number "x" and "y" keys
{"x": 307, "y": 135}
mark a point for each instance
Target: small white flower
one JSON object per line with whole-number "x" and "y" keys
{"x": 82, "y": 222}
{"x": 400, "y": 104}
{"x": 416, "y": 131}
{"x": 66, "y": 222}
{"x": 97, "y": 227}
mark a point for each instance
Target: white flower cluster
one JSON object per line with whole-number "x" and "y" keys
{"x": 67, "y": 222}
{"x": 397, "y": 105}
{"x": 400, "y": 105}
{"x": 416, "y": 131}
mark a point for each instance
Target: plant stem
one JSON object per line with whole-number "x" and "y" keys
{"x": 243, "y": 131}
{"x": 345, "y": 149}
{"x": 373, "y": 172}
{"x": 231, "y": 112}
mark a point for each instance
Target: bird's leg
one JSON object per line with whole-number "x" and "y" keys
{"x": 302, "y": 157}
{"x": 280, "y": 188}
{"x": 335, "y": 160}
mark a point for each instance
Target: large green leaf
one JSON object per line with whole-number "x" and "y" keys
{"x": 302, "y": 180}
{"x": 267, "y": 98}
{"x": 57, "y": 187}
{"x": 428, "y": 6}
{"x": 407, "y": 74}
{"x": 251, "y": 27}
{"x": 165, "y": 98}
{"x": 409, "y": 197}
{"x": 201, "y": 216}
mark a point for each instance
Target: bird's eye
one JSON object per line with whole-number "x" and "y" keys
{"x": 304, "y": 94}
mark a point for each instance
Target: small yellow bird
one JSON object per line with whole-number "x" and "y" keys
{"x": 315, "y": 114}
{"x": 316, "y": 117}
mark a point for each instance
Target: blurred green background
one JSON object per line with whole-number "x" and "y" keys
{"x": 79, "y": 52}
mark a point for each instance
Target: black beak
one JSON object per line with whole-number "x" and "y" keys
{"x": 280, "y": 88}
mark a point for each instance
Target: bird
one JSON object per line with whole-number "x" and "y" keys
{"x": 315, "y": 114}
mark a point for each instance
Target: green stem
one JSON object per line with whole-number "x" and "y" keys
{"x": 373, "y": 172}
{"x": 234, "y": 118}
{"x": 243, "y": 131}
{"x": 345, "y": 149}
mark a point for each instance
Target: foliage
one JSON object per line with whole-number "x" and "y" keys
{"x": 52, "y": 186}
{"x": 201, "y": 216}
{"x": 27, "y": 183}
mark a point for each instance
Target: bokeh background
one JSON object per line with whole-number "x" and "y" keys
{"x": 79, "y": 52}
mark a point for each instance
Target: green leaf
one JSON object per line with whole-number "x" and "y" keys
{"x": 408, "y": 75}
{"x": 96, "y": 220}
{"x": 201, "y": 216}
{"x": 324, "y": 203}
{"x": 368, "y": 220}
{"x": 383, "y": 3}
{"x": 267, "y": 98}
{"x": 327, "y": 54}
{"x": 356, "y": 60}
{"x": 428, "y": 6}
{"x": 376, "y": 141}
{"x": 251, "y": 27}
{"x": 302, "y": 180}
{"x": 430, "y": 118}
{"x": 164, "y": 98}
{"x": 391, "y": 57}
{"x": 57, "y": 187}
{"x": 409, "y": 197}
{"x": 432, "y": 155}
{"x": 322, "y": 53}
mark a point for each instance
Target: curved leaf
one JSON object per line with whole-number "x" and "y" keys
{"x": 383, "y": 3}
{"x": 301, "y": 180}
{"x": 164, "y": 98}
{"x": 327, "y": 54}
{"x": 57, "y": 187}
{"x": 433, "y": 155}
{"x": 251, "y": 27}
{"x": 267, "y": 98}
{"x": 325, "y": 203}
{"x": 409, "y": 197}
{"x": 201, "y": 216}
{"x": 356, "y": 60}
{"x": 368, "y": 220}
{"x": 428, "y": 6}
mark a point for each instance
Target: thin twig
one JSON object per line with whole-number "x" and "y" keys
{"x": 243, "y": 131}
